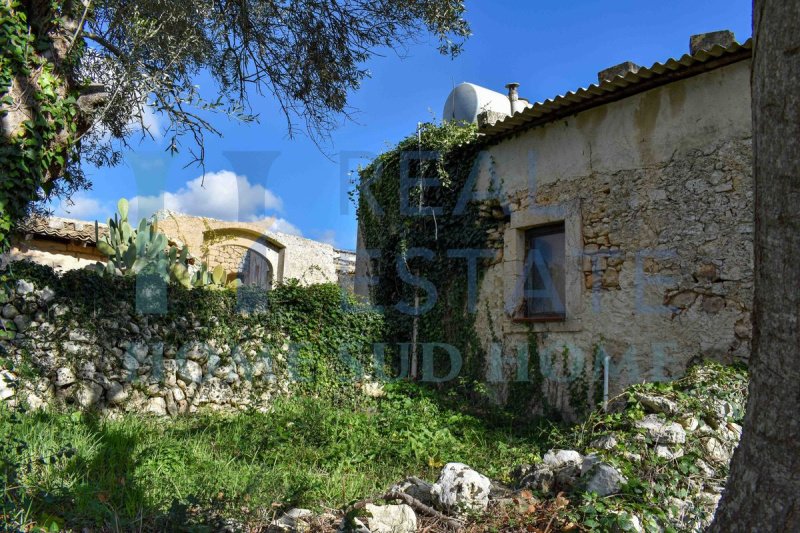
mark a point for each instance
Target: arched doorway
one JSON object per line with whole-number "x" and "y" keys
{"x": 253, "y": 258}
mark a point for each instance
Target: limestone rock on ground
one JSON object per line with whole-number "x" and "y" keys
{"x": 294, "y": 521}
{"x": 390, "y": 519}
{"x": 24, "y": 287}
{"x": 566, "y": 467}
{"x": 632, "y": 524}
{"x": 357, "y": 527}
{"x": 7, "y": 384}
{"x": 539, "y": 478}
{"x": 556, "y": 459}
{"x": 460, "y": 489}
{"x": 603, "y": 479}
{"x": 664, "y": 452}
{"x": 606, "y": 442}
{"x": 417, "y": 488}
{"x": 659, "y": 431}
{"x": 657, "y": 404}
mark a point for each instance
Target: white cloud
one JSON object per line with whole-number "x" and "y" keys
{"x": 151, "y": 122}
{"x": 223, "y": 195}
{"x": 328, "y": 237}
{"x": 281, "y": 225}
{"x": 83, "y": 207}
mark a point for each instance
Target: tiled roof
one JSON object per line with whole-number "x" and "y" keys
{"x": 618, "y": 88}
{"x": 62, "y": 228}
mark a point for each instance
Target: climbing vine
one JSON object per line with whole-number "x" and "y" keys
{"x": 417, "y": 238}
{"x": 46, "y": 139}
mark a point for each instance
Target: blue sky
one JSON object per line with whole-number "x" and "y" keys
{"x": 549, "y": 47}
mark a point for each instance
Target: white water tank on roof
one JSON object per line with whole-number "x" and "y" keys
{"x": 467, "y": 100}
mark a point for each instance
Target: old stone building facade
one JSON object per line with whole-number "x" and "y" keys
{"x": 257, "y": 254}
{"x": 622, "y": 225}
{"x": 247, "y": 250}
{"x": 628, "y": 223}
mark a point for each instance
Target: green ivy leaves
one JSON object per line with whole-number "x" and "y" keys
{"x": 44, "y": 140}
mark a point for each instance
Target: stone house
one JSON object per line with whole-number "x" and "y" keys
{"x": 625, "y": 239}
{"x": 61, "y": 243}
{"x": 247, "y": 250}
{"x": 628, "y": 229}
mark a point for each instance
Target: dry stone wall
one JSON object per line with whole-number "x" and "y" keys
{"x": 113, "y": 359}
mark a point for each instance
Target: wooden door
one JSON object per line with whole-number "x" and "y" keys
{"x": 256, "y": 270}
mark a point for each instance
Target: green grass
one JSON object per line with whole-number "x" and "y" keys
{"x": 306, "y": 452}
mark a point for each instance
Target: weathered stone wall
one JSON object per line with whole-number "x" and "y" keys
{"x": 230, "y": 257}
{"x": 345, "y": 262}
{"x": 658, "y": 189}
{"x": 97, "y": 352}
{"x": 309, "y": 261}
{"x": 290, "y": 256}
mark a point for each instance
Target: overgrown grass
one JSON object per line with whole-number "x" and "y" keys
{"x": 307, "y": 452}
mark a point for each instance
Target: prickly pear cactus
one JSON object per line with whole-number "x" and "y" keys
{"x": 132, "y": 251}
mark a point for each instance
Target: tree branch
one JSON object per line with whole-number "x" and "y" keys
{"x": 454, "y": 523}
{"x": 105, "y": 43}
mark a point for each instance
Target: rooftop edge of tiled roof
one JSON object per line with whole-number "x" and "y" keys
{"x": 633, "y": 81}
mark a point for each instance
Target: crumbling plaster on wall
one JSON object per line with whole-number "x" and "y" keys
{"x": 664, "y": 183}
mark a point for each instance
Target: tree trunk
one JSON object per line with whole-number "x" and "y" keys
{"x": 59, "y": 31}
{"x": 763, "y": 490}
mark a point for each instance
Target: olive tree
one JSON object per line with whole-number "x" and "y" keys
{"x": 77, "y": 78}
{"x": 763, "y": 489}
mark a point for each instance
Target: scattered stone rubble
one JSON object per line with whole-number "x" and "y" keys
{"x": 106, "y": 369}
{"x": 665, "y": 433}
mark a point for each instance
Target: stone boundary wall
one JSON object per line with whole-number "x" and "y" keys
{"x": 54, "y": 353}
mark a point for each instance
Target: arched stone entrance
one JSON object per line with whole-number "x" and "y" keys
{"x": 253, "y": 258}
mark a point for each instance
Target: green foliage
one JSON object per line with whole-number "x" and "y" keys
{"x": 146, "y": 251}
{"x": 133, "y": 251}
{"x": 44, "y": 140}
{"x": 312, "y": 452}
{"x": 653, "y": 482}
{"x": 394, "y": 229}
{"x": 86, "y": 74}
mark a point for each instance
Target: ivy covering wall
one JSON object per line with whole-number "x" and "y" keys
{"x": 421, "y": 241}
{"x": 45, "y": 142}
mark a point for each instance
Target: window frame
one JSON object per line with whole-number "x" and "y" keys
{"x": 525, "y": 314}
{"x": 514, "y": 254}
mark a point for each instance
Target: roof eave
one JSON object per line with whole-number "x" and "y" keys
{"x": 613, "y": 90}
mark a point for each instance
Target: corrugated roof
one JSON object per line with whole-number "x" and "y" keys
{"x": 617, "y": 88}
{"x": 62, "y": 228}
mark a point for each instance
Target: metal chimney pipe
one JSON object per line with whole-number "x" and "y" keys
{"x": 513, "y": 94}
{"x": 513, "y": 97}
